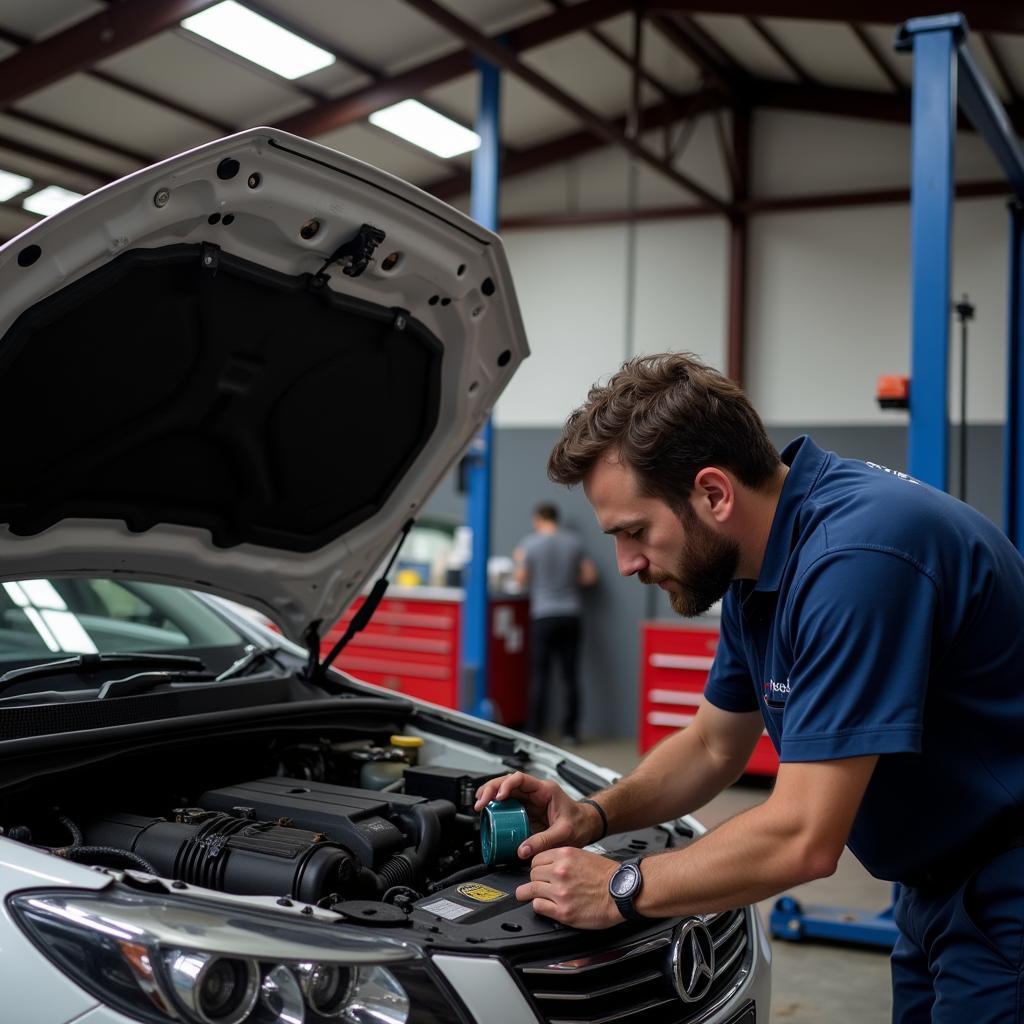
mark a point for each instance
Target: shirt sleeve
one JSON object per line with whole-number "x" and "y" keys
{"x": 729, "y": 686}
{"x": 861, "y": 624}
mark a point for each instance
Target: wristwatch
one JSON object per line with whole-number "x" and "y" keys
{"x": 624, "y": 886}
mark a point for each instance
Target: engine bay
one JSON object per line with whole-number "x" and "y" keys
{"x": 351, "y": 826}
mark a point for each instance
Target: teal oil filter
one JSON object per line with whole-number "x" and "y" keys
{"x": 503, "y": 826}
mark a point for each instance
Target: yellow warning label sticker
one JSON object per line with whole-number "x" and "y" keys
{"x": 480, "y": 893}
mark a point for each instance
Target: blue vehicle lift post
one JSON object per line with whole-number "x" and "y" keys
{"x": 484, "y": 188}
{"x": 945, "y": 79}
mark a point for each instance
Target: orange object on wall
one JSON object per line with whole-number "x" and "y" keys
{"x": 675, "y": 661}
{"x": 411, "y": 646}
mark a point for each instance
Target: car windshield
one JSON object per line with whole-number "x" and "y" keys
{"x": 46, "y": 619}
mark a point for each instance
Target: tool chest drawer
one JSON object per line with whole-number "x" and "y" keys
{"x": 411, "y": 645}
{"x": 675, "y": 661}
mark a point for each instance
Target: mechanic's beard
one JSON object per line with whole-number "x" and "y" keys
{"x": 706, "y": 566}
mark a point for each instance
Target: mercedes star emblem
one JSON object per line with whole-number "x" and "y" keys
{"x": 693, "y": 961}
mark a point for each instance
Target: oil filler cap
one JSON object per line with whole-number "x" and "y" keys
{"x": 503, "y": 827}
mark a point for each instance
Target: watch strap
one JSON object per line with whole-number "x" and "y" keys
{"x": 625, "y": 903}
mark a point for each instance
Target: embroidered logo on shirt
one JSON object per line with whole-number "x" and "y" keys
{"x": 893, "y": 472}
{"x": 775, "y": 693}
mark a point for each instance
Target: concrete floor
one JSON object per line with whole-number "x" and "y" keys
{"x": 811, "y": 982}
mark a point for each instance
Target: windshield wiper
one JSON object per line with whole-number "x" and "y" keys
{"x": 252, "y": 656}
{"x": 143, "y": 681}
{"x": 86, "y": 663}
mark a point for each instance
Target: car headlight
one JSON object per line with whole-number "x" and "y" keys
{"x": 163, "y": 959}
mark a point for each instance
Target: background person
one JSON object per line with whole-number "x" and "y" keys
{"x": 551, "y": 565}
{"x": 872, "y": 624}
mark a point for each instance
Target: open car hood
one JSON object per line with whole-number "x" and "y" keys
{"x": 196, "y": 393}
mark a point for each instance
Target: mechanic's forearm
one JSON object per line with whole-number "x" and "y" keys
{"x": 751, "y": 857}
{"x": 676, "y": 777}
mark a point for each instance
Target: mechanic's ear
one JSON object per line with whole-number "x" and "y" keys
{"x": 714, "y": 493}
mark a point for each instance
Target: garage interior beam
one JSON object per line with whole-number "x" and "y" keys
{"x": 359, "y": 104}
{"x": 988, "y": 15}
{"x": 780, "y": 204}
{"x": 578, "y": 143}
{"x": 88, "y": 42}
{"x": 780, "y": 51}
{"x": 715, "y": 65}
{"x": 739, "y": 235}
{"x": 617, "y": 51}
{"x": 877, "y": 57}
{"x": 494, "y": 51}
{"x": 1013, "y": 97}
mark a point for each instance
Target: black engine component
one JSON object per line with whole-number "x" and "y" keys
{"x": 232, "y": 854}
{"x": 297, "y": 837}
{"x": 354, "y": 818}
{"x": 453, "y": 784}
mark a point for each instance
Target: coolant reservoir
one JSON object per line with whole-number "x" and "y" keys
{"x": 384, "y": 765}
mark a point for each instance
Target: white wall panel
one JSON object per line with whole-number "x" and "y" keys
{"x": 570, "y": 288}
{"x": 830, "y": 311}
{"x": 828, "y": 304}
{"x": 796, "y": 154}
{"x": 681, "y": 288}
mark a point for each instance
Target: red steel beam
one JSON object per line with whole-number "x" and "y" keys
{"x": 782, "y": 204}
{"x": 863, "y": 103}
{"x": 95, "y": 174}
{"x": 501, "y": 56}
{"x": 202, "y": 117}
{"x": 565, "y": 147}
{"x": 1001, "y": 69}
{"x": 715, "y": 73}
{"x": 359, "y": 104}
{"x": 739, "y": 236}
{"x": 775, "y": 45}
{"x": 989, "y": 15}
{"x": 613, "y": 48}
{"x": 87, "y": 43}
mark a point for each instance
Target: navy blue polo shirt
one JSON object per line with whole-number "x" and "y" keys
{"x": 888, "y": 619}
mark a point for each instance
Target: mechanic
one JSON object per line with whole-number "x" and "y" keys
{"x": 552, "y": 567}
{"x": 871, "y": 623}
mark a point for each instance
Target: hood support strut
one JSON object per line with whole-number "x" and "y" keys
{"x": 316, "y": 670}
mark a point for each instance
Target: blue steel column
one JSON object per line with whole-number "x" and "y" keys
{"x": 1013, "y": 436}
{"x": 476, "y": 609}
{"x": 932, "y": 184}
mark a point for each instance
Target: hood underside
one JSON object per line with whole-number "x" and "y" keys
{"x": 243, "y": 370}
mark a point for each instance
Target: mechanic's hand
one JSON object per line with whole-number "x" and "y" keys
{"x": 556, "y": 819}
{"x": 571, "y": 886}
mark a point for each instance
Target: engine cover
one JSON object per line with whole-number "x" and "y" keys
{"x": 354, "y": 818}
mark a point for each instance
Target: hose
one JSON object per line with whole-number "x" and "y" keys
{"x": 80, "y": 853}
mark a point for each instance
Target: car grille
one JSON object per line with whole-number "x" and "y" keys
{"x": 633, "y": 982}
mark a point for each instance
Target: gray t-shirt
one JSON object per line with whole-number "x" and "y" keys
{"x": 553, "y": 563}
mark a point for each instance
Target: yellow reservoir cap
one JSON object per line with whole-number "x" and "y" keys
{"x": 409, "y": 742}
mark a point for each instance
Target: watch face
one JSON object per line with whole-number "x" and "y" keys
{"x": 624, "y": 881}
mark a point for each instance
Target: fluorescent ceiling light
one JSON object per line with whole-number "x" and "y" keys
{"x": 50, "y": 200}
{"x": 12, "y": 185}
{"x": 424, "y": 127}
{"x": 258, "y": 39}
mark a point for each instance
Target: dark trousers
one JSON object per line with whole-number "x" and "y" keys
{"x": 554, "y": 640}
{"x": 959, "y": 958}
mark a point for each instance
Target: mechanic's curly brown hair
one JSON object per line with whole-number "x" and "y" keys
{"x": 667, "y": 416}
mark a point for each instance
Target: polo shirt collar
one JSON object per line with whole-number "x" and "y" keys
{"x": 805, "y": 460}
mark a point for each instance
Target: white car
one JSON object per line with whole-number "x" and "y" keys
{"x": 241, "y": 372}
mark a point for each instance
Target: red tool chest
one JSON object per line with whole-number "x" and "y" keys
{"x": 675, "y": 660}
{"x": 411, "y": 645}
